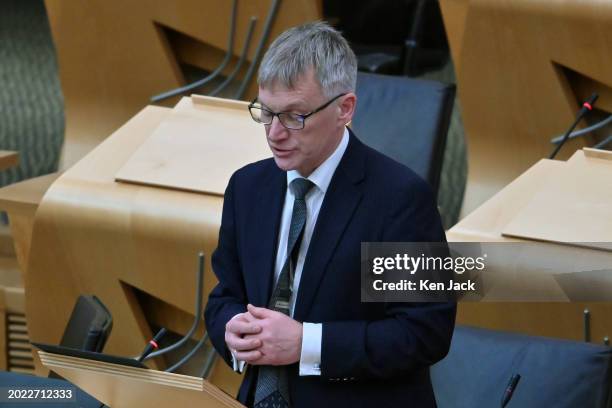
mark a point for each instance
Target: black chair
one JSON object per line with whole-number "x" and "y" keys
{"x": 406, "y": 119}
{"x": 554, "y": 372}
{"x": 89, "y": 325}
{"x": 393, "y": 37}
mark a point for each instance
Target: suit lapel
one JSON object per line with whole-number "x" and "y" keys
{"x": 339, "y": 204}
{"x": 266, "y": 216}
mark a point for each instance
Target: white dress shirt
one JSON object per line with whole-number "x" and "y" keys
{"x": 310, "y": 358}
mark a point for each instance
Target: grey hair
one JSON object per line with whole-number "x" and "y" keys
{"x": 312, "y": 45}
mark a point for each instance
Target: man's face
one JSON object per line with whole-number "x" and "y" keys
{"x": 303, "y": 150}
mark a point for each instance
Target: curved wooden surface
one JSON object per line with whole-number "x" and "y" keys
{"x": 20, "y": 201}
{"x": 8, "y": 159}
{"x": 490, "y": 220}
{"x": 133, "y": 246}
{"x": 121, "y": 386}
{"x": 114, "y": 55}
{"x": 522, "y": 67}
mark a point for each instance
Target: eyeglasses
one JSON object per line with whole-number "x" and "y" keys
{"x": 292, "y": 121}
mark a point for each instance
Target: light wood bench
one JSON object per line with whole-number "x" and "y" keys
{"x": 20, "y": 201}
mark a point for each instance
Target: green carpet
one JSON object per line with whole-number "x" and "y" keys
{"x": 31, "y": 102}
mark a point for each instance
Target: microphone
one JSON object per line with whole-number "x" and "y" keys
{"x": 153, "y": 344}
{"x": 587, "y": 106}
{"x": 510, "y": 389}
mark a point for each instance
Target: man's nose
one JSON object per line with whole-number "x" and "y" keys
{"x": 276, "y": 130}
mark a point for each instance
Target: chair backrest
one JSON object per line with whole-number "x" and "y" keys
{"x": 406, "y": 119}
{"x": 554, "y": 372}
{"x": 89, "y": 325}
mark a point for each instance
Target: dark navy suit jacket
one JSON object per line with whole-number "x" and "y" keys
{"x": 372, "y": 354}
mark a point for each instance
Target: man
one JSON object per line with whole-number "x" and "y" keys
{"x": 288, "y": 259}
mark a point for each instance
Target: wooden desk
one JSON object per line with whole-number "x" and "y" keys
{"x": 134, "y": 245}
{"x": 20, "y": 201}
{"x": 135, "y": 50}
{"x": 523, "y": 68}
{"x": 489, "y": 223}
{"x": 120, "y": 386}
{"x": 8, "y": 159}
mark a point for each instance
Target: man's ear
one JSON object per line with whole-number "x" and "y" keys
{"x": 347, "y": 108}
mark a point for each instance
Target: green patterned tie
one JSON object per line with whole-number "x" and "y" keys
{"x": 272, "y": 389}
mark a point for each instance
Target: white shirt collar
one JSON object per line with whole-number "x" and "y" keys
{"x": 322, "y": 175}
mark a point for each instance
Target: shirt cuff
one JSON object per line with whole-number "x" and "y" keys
{"x": 237, "y": 365}
{"x": 310, "y": 358}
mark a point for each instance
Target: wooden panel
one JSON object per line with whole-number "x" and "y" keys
{"x": 454, "y": 14}
{"x": 121, "y": 386}
{"x": 8, "y": 159}
{"x": 596, "y": 153}
{"x": 198, "y": 147}
{"x": 114, "y": 55}
{"x": 561, "y": 320}
{"x": 95, "y": 235}
{"x": 575, "y": 206}
{"x": 510, "y": 57}
{"x": 20, "y": 201}
{"x": 486, "y": 224}
{"x": 21, "y": 230}
{"x": 487, "y": 221}
{"x": 23, "y": 197}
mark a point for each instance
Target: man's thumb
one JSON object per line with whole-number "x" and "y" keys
{"x": 259, "y": 312}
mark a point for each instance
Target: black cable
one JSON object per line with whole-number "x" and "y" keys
{"x": 188, "y": 355}
{"x": 262, "y": 42}
{"x": 603, "y": 143}
{"x": 198, "y": 312}
{"x": 209, "y": 362}
{"x": 215, "y": 73}
{"x": 598, "y": 125}
{"x": 243, "y": 53}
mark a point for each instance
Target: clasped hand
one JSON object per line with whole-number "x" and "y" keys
{"x": 262, "y": 336}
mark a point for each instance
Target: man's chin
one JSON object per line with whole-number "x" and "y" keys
{"x": 284, "y": 164}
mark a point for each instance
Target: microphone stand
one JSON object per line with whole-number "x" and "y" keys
{"x": 586, "y": 107}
